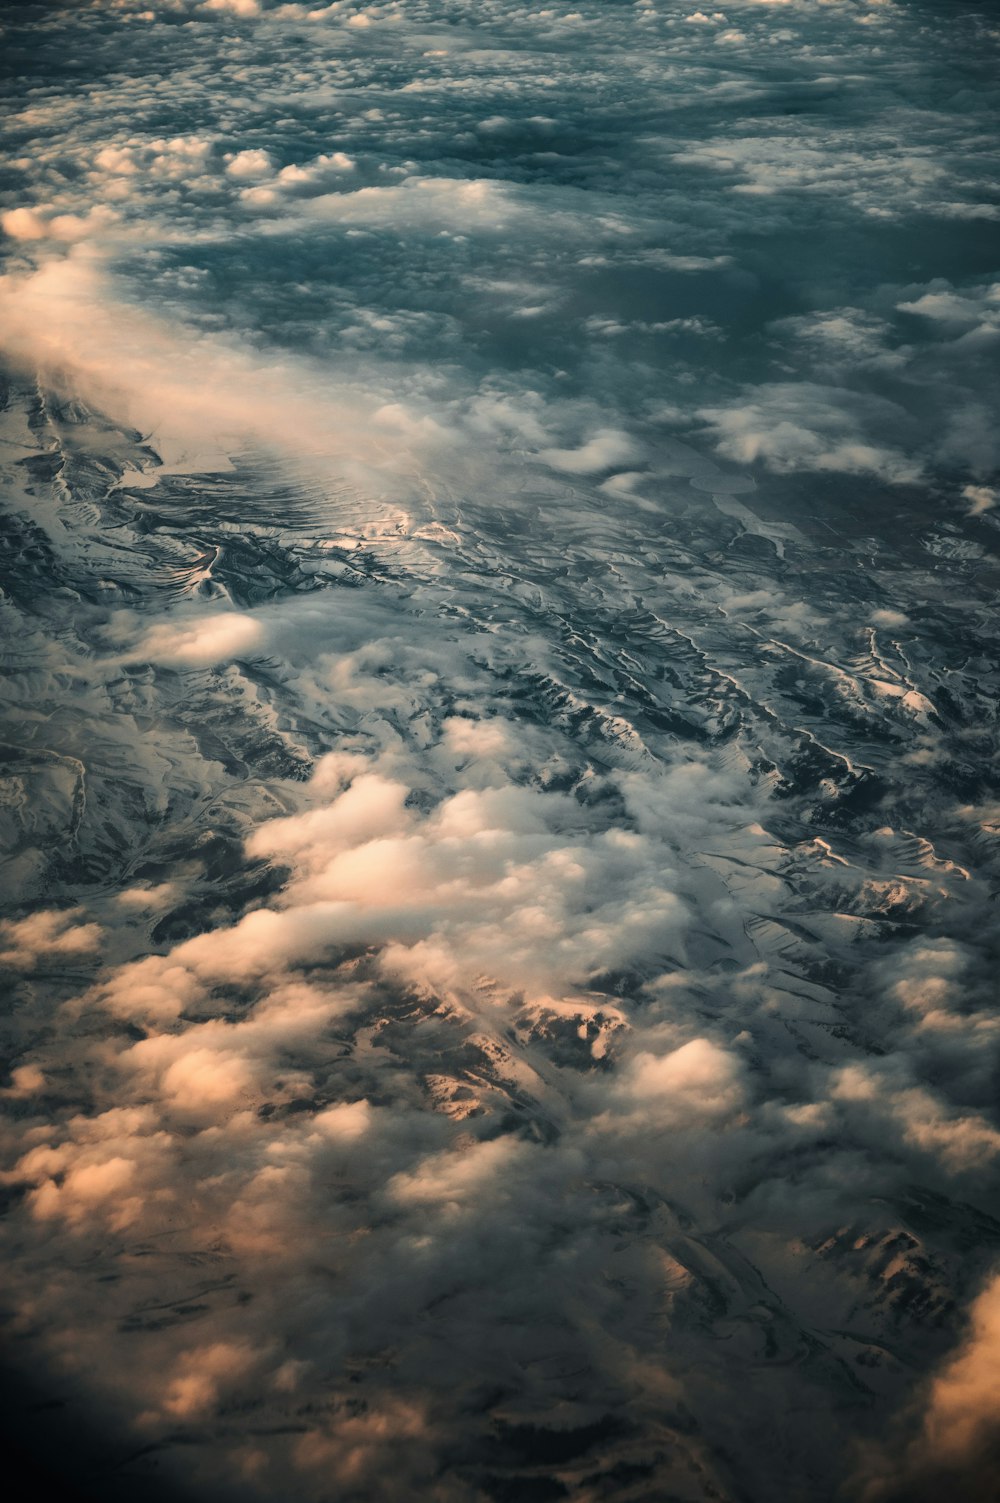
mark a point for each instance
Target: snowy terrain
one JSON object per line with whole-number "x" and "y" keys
{"x": 499, "y": 795}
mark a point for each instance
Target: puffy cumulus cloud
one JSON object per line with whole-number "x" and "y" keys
{"x": 607, "y": 449}
{"x": 23, "y": 224}
{"x": 252, "y": 163}
{"x": 932, "y": 980}
{"x": 687, "y": 1089}
{"x": 498, "y": 881}
{"x": 960, "y": 1142}
{"x": 154, "y": 897}
{"x": 241, "y": 8}
{"x": 971, "y": 315}
{"x": 452, "y": 1179}
{"x": 490, "y": 741}
{"x": 355, "y": 1448}
{"x": 101, "y": 1173}
{"x": 372, "y": 806}
{"x": 150, "y": 988}
{"x": 85, "y": 1185}
{"x": 961, "y": 1413}
{"x": 48, "y": 937}
{"x": 956, "y": 1446}
{"x": 700, "y": 1076}
{"x": 845, "y": 336}
{"x": 941, "y": 996}
{"x": 206, "y": 10}
{"x": 348, "y": 1120}
{"x": 198, "y": 644}
{"x": 25, "y": 1081}
{"x": 205, "y": 1078}
{"x": 204, "y": 1374}
{"x": 803, "y": 427}
{"x": 881, "y": 179}
{"x": 296, "y": 180}
{"x": 456, "y": 205}
{"x": 30, "y": 224}
{"x": 174, "y": 158}
{"x": 132, "y": 172}
{"x": 980, "y": 498}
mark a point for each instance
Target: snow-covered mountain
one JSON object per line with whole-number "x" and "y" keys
{"x": 498, "y": 791}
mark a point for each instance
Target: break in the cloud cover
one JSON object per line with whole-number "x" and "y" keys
{"x": 498, "y": 785}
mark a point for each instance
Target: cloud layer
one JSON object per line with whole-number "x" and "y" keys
{"x": 499, "y": 719}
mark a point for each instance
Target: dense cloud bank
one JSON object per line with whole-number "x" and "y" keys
{"x": 499, "y": 792}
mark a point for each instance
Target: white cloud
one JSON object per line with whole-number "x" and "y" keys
{"x": 974, "y": 311}
{"x": 198, "y": 644}
{"x": 961, "y": 1142}
{"x": 981, "y": 498}
{"x": 451, "y": 1179}
{"x": 961, "y": 1412}
{"x": 604, "y": 450}
{"x": 42, "y": 224}
{"x": 685, "y": 1087}
{"x": 798, "y": 426}
{"x": 251, "y": 163}
{"x": 46, "y": 936}
{"x": 242, "y": 8}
